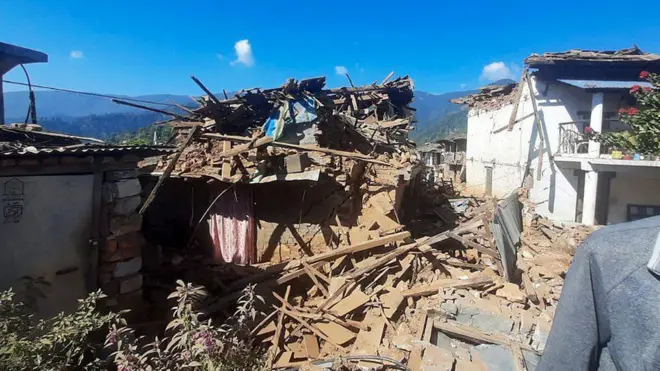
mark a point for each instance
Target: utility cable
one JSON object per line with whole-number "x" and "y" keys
{"x": 88, "y": 93}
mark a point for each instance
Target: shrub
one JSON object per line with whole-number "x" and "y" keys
{"x": 67, "y": 341}
{"x": 193, "y": 344}
{"x": 59, "y": 343}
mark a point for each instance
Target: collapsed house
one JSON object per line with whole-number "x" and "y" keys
{"x": 312, "y": 195}
{"x": 538, "y": 139}
{"x": 315, "y": 197}
{"x": 297, "y": 165}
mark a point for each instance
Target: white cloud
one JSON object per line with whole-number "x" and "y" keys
{"x": 463, "y": 86}
{"x": 76, "y": 54}
{"x": 243, "y": 53}
{"x": 341, "y": 70}
{"x": 220, "y": 56}
{"x": 500, "y": 70}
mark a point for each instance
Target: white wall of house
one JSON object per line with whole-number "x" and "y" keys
{"x": 511, "y": 152}
{"x": 502, "y": 152}
{"x": 626, "y": 189}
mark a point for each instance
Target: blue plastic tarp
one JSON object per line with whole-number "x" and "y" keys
{"x": 299, "y": 111}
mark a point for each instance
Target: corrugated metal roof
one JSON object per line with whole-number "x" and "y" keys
{"x": 88, "y": 150}
{"x": 606, "y": 85}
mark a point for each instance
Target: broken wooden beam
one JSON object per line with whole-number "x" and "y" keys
{"x": 303, "y": 147}
{"x": 435, "y": 287}
{"x": 168, "y": 170}
{"x": 482, "y": 249}
{"x": 278, "y": 331}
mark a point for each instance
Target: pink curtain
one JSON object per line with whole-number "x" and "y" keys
{"x": 232, "y": 229}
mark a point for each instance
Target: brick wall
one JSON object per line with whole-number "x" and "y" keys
{"x": 120, "y": 257}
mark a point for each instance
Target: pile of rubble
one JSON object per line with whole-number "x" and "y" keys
{"x": 431, "y": 303}
{"x": 490, "y": 97}
{"x": 295, "y": 128}
{"x": 439, "y": 283}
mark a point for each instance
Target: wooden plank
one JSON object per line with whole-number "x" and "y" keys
{"x": 168, "y": 170}
{"x": 552, "y": 235}
{"x": 331, "y": 255}
{"x": 357, "y": 325}
{"x": 353, "y": 155}
{"x": 260, "y": 142}
{"x": 263, "y": 322}
{"x": 315, "y": 280}
{"x": 311, "y": 346}
{"x": 392, "y": 301}
{"x": 338, "y": 333}
{"x": 284, "y": 360}
{"x": 318, "y": 273}
{"x": 291, "y": 275}
{"x": 206, "y": 90}
{"x": 529, "y": 288}
{"x": 278, "y": 332}
{"x": 415, "y": 360}
{"x": 368, "y": 341}
{"x": 307, "y": 326}
{"x": 327, "y": 302}
{"x": 474, "y": 245}
{"x": 306, "y": 147}
{"x": 395, "y": 123}
{"x": 350, "y": 303}
{"x": 235, "y": 138}
{"x": 471, "y": 334}
{"x": 226, "y": 163}
{"x": 474, "y": 335}
{"x": 447, "y": 283}
{"x": 539, "y": 128}
{"x": 382, "y": 260}
{"x": 516, "y": 101}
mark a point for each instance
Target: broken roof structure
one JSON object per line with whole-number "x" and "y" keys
{"x": 489, "y": 97}
{"x": 28, "y": 140}
{"x": 229, "y": 136}
{"x": 622, "y": 65}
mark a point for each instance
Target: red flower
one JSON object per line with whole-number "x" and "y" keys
{"x": 644, "y": 74}
{"x": 632, "y": 111}
{"x": 622, "y": 110}
{"x": 647, "y": 89}
{"x": 588, "y": 130}
{"x": 635, "y": 88}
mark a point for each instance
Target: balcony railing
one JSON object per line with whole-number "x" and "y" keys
{"x": 573, "y": 140}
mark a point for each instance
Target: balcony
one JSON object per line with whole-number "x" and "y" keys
{"x": 573, "y": 140}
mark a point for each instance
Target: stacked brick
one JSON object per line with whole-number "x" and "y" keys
{"x": 120, "y": 257}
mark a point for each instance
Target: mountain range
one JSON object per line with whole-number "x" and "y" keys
{"x": 93, "y": 116}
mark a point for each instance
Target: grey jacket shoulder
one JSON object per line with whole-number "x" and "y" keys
{"x": 621, "y": 249}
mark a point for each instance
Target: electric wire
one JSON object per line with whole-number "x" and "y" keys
{"x": 109, "y": 96}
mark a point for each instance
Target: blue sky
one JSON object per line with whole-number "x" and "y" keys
{"x": 147, "y": 47}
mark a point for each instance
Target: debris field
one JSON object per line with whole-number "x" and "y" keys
{"x": 397, "y": 271}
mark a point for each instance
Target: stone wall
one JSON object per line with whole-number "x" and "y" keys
{"x": 120, "y": 258}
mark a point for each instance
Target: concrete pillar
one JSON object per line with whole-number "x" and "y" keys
{"x": 596, "y": 122}
{"x": 591, "y": 177}
{"x": 589, "y": 201}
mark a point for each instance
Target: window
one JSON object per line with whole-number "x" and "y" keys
{"x": 636, "y": 212}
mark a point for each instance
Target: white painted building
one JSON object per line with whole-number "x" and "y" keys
{"x": 570, "y": 178}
